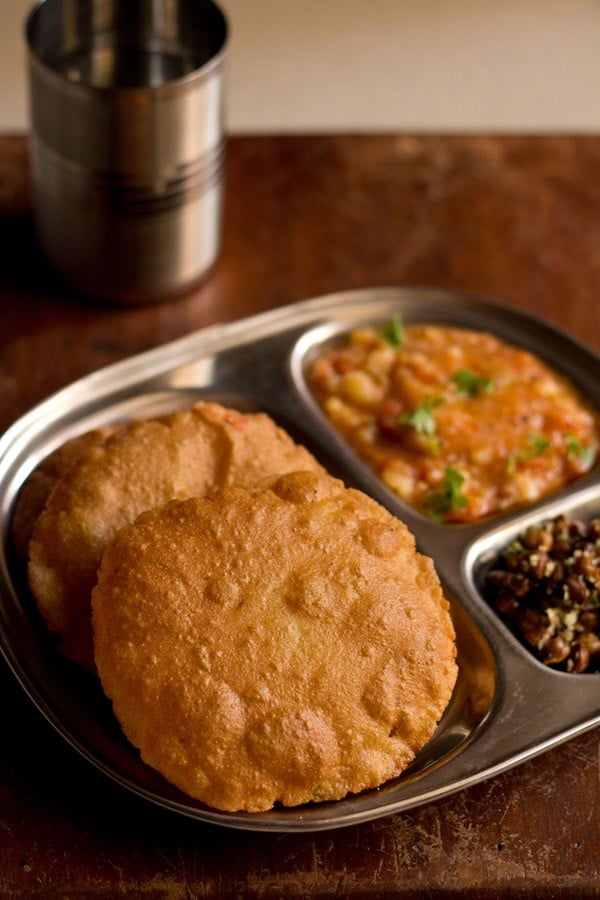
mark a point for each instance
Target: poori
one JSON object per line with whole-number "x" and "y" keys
{"x": 37, "y": 487}
{"x": 278, "y": 644}
{"x": 143, "y": 464}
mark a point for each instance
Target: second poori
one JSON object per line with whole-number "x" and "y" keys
{"x": 143, "y": 464}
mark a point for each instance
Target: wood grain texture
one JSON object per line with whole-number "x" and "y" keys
{"x": 516, "y": 218}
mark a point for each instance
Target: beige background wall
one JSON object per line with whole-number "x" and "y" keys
{"x": 359, "y": 65}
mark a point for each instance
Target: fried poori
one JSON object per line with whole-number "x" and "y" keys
{"x": 142, "y": 465}
{"x": 37, "y": 487}
{"x": 281, "y": 644}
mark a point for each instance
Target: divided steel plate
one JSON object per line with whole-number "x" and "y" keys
{"x": 506, "y": 707}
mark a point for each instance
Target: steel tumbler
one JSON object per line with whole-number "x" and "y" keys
{"x": 127, "y": 142}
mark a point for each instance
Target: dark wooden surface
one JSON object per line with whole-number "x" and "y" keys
{"x": 516, "y": 218}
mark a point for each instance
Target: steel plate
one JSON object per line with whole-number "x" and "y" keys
{"x": 506, "y": 707}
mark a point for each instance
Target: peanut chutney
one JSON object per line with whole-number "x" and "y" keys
{"x": 456, "y": 422}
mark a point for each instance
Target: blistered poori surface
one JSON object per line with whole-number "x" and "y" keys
{"x": 284, "y": 644}
{"x": 456, "y": 422}
{"x": 142, "y": 465}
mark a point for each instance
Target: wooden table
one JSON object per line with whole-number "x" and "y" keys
{"x": 517, "y": 218}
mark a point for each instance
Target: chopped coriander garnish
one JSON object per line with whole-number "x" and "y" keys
{"x": 470, "y": 384}
{"x": 393, "y": 333}
{"x": 422, "y": 418}
{"x": 537, "y": 444}
{"x": 575, "y": 450}
{"x": 450, "y": 496}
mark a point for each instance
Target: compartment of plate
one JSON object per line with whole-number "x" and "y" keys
{"x": 578, "y": 365}
{"x": 582, "y": 505}
{"x": 73, "y": 701}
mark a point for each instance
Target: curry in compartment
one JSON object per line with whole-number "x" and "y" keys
{"x": 456, "y": 422}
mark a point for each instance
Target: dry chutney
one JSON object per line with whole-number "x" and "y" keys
{"x": 456, "y": 422}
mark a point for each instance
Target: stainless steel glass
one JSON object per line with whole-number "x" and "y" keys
{"x": 126, "y": 104}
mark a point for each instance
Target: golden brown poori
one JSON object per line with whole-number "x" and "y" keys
{"x": 142, "y": 465}
{"x": 36, "y": 489}
{"x": 284, "y": 643}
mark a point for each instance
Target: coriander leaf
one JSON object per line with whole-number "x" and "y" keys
{"x": 422, "y": 418}
{"x": 511, "y": 463}
{"x": 450, "y": 496}
{"x": 470, "y": 384}
{"x": 393, "y": 333}
{"x": 537, "y": 444}
{"x": 575, "y": 450}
